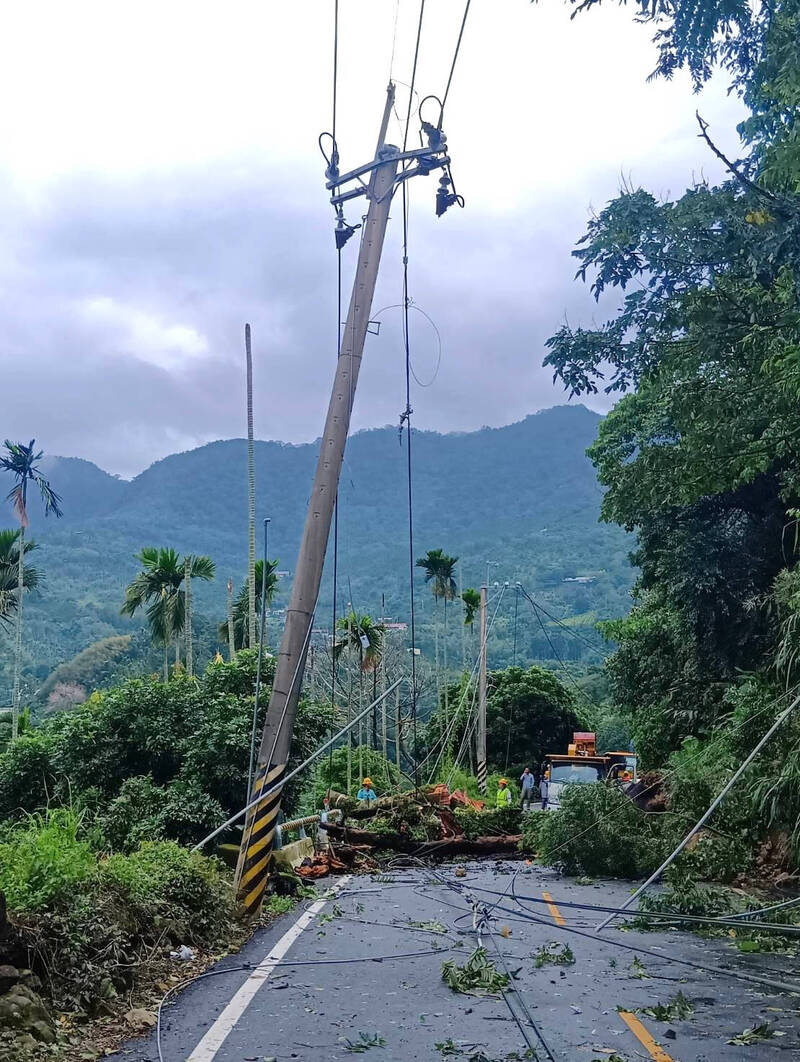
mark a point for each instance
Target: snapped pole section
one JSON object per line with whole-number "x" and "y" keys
{"x": 259, "y": 832}
{"x": 481, "y": 750}
{"x": 704, "y": 819}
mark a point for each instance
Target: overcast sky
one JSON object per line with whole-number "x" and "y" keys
{"x": 160, "y": 184}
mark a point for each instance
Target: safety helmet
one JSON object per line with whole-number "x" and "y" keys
{"x": 503, "y": 781}
{"x": 367, "y": 781}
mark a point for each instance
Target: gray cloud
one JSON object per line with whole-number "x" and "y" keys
{"x": 156, "y": 194}
{"x": 123, "y": 308}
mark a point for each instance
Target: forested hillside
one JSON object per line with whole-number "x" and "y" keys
{"x": 522, "y": 497}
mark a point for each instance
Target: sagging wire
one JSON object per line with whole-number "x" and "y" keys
{"x": 665, "y": 916}
{"x": 564, "y": 667}
{"x": 455, "y": 60}
{"x": 753, "y": 978}
{"x": 413, "y": 306}
{"x": 520, "y": 910}
{"x": 285, "y": 963}
{"x": 559, "y": 623}
{"x": 406, "y": 418}
{"x": 480, "y": 922}
{"x": 443, "y": 739}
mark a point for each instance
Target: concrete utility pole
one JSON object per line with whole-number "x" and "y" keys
{"x": 273, "y": 755}
{"x": 481, "y": 742}
{"x": 383, "y": 179}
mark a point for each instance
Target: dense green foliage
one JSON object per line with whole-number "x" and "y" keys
{"x": 331, "y": 774}
{"x": 529, "y": 712}
{"x": 599, "y": 831}
{"x": 89, "y": 921}
{"x": 491, "y": 822}
{"x": 149, "y": 759}
{"x": 9, "y": 571}
{"x": 700, "y": 456}
{"x": 538, "y": 526}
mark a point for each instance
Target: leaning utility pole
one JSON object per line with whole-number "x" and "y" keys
{"x": 252, "y": 869}
{"x": 481, "y": 751}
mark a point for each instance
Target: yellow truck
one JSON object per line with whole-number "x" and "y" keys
{"x": 583, "y": 766}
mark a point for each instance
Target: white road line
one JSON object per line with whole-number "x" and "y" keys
{"x": 218, "y": 1033}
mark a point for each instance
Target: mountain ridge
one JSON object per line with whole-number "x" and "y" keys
{"x": 522, "y": 498}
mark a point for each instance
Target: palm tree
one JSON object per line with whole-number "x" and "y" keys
{"x": 9, "y": 571}
{"x": 472, "y": 602}
{"x": 241, "y": 607}
{"x": 157, "y": 587}
{"x": 362, "y": 635}
{"x": 439, "y": 570}
{"x": 161, "y": 587}
{"x": 21, "y": 462}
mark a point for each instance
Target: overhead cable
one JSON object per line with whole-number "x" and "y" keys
{"x": 455, "y": 59}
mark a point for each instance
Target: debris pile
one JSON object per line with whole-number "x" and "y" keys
{"x": 430, "y": 820}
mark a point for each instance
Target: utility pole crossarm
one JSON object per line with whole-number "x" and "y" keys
{"x": 273, "y": 755}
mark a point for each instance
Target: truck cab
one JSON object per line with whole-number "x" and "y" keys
{"x": 583, "y": 766}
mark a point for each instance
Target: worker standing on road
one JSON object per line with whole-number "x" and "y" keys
{"x": 324, "y": 819}
{"x": 527, "y": 782}
{"x": 504, "y": 798}
{"x": 366, "y": 793}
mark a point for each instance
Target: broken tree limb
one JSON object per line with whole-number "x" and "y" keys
{"x": 400, "y": 842}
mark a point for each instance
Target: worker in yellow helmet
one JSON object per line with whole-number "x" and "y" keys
{"x": 504, "y": 798}
{"x": 366, "y": 793}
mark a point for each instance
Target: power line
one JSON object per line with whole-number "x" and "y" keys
{"x": 406, "y": 418}
{"x": 413, "y": 78}
{"x": 558, "y": 622}
{"x": 455, "y": 58}
{"x": 335, "y": 69}
{"x": 566, "y": 670}
{"x": 334, "y": 155}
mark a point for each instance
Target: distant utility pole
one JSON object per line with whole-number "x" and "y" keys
{"x": 251, "y": 499}
{"x": 257, "y": 841}
{"x": 481, "y": 751}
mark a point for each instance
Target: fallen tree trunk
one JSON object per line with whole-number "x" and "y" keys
{"x": 399, "y": 842}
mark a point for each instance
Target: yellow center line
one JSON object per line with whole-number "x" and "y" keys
{"x": 554, "y": 911}
{"x": 655, "y": 1051}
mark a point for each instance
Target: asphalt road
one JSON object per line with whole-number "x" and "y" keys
{"x": 592, "y": 1009}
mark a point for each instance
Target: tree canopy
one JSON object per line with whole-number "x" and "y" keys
{"x": 700, "y": 457}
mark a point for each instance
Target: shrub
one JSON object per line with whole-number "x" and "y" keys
{"x": 600, "y": 831}
{"x": 26, "y": 774}
{"x": 42, "y": 861}
{"x": 682, "y": 894}
{"x": 491, "y": 822}
{"x": 532, "y": 823}
{"x": 332, "y": 772}
{"x": 191, "y": 737}
{"x": 131, "y": 817}
{"x": 716, "y": 858}
{"x": 111, "y": 918}
{"x": 166, "y": 886}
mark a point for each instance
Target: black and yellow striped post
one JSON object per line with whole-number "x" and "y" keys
{"x": 259, "y": 836}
